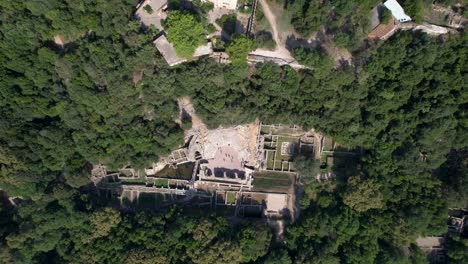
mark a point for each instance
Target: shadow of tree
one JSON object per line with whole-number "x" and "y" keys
{"x": 344, "y": 167}
{"x": 264, "y": 39}
{"x": 292, "y": 43}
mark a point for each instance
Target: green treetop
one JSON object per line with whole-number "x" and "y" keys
{"x": 185, "y": 33}
{"x": 363, "y": 195}
{"x": 238, "y": 49}
{"x": 385, "y": 16}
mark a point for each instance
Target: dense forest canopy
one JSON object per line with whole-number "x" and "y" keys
{"x": 107, "y": 96}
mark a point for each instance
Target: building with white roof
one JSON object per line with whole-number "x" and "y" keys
{"x": 397, "y": 11}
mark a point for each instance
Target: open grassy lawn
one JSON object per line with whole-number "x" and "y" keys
{"x": 231, "y": 197}
{"x": 270, "y": 157}
{"x": 161, "y": 182}
{"x": 278, "y": 165}
{"x": 136, "y": 181}
{"x": 272, "y": 182}
{"x": 183, "y": 171}
{"x": 327, "y": 144}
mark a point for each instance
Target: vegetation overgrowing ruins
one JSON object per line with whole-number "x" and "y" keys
{"x": 232, "y": 131}
{"x": 243, "y": 171}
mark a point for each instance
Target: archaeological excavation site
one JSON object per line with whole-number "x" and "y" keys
{"x": 242, "y": 171}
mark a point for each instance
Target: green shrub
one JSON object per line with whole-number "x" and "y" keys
{"x": 318, "y": 60}
{"x": 207, "y": 7}
{"x": 239, "y": 48}
{"x": 385, "y": 16}
{"x": 148, "y": 9}
{"x": 264, "y": 39}
{"x": 210, "y": 28}
{"x": 341, "y": 40}
{"x": 218, "y": 43}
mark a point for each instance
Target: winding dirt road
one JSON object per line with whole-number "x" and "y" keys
{"x": 280, "y": 49}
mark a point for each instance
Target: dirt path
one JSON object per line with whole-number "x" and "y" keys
{"x": 272, "y": 20}
{"x": 137, "y": 76}
{"x": 339, "y": 54}
{"x": 280, "y": 50}
{"x": 186, "y": 105}
{"x": 213, "y": 15}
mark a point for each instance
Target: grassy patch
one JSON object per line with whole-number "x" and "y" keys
{"x": 327, "y": 144}
{"x": 231, "y": 197}
{"x": 261, "y": 22}
{"x": 270, "y": 157}
{"x": 272, "y": 182}
{"x": 218, "y": 43}
{"x": 161, "y": 182}
{"x": 283, "y": 17}
{"x": 264, "y": 39}
{"x": 292, "y": 167}
{"x": 136, "y": 181}
{"x": 183, "y": 171}
{"x": 283, "y": 130}
{"x": 280, "y": 141}
{"x": 278, "y": 165}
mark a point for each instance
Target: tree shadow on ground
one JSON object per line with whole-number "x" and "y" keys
{"x": 292, "y": 43}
